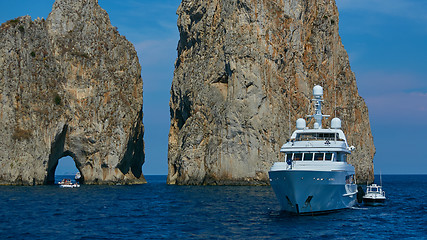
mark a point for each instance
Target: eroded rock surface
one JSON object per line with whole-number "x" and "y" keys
{"x": 244, "y": 73}
{"x": 70, "y": 85}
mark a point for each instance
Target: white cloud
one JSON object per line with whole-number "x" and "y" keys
{"x": 398, "y": 108}
{"x": 157, "y": 51}
{"x": 394, "y": 97}
{"x": 157, "y": 58}
{"x": 385, "y": 83}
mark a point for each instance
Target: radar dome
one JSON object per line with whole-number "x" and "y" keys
{"x": 300, "y": 124}
{"x": 316, "y": 125}
{"x": 317, "y": 91}
{"x": 336, "y": 123}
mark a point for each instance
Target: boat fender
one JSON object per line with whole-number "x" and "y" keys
{"x": 360, "y": 194}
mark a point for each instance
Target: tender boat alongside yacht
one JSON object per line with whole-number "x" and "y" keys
{"x": 375, "y": 196}
{"x": 315, "y": 176}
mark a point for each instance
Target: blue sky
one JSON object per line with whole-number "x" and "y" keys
{"x": 385, "y": 39}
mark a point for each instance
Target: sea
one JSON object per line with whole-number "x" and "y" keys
{"x": 159, "y": 211}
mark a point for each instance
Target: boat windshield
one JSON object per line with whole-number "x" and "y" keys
{"x": 318, "y": 136}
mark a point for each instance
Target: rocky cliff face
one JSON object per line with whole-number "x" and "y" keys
{"x": 244, "y": 73}
{"x": 70, "y": 85}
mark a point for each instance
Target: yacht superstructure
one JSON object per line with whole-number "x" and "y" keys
{"x": 315, "y": 176}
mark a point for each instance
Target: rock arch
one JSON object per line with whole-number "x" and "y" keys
{"x": 73, "y": 90}
{"x": 58, "y": 152}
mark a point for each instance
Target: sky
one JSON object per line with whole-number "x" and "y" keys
{"x": 385, "y": 39}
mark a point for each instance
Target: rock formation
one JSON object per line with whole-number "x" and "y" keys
{"x": 70, "y": 85}
{"x": 244, "y": 73}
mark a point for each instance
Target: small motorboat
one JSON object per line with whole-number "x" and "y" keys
{"x": 66, "y": 183}
{"x": 78, "y": 177}
{"x": 375, "y": 196}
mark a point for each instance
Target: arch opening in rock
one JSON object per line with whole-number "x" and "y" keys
{"x": 57, "y": 152}
{"x": 67, "y": 168}
{"x": 66, "y": 164}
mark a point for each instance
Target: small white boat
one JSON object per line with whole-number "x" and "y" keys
{"x": 66, "y": 183}
{"x": 375, "y": 196}
{"x": 78, "y": 177}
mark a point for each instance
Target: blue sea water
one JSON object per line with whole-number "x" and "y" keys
{"x": 159, "y": 211}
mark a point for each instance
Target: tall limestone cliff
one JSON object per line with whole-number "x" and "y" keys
{"x": 244, "y": 73}
{"x": 70, "y": 85}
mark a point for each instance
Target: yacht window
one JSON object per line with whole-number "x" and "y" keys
{"x": 297, "y": 156}
{"x": 308, "y": 156}
{"x": 317, "y": 136}
{"x": 328, "y": 156}
{"x": 318, "y": 157}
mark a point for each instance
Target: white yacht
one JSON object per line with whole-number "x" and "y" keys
{"x": 315, "y": 176}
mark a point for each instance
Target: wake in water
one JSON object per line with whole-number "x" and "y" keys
{"x": 359, "y": 208}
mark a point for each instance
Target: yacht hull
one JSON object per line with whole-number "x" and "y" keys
{"x": 310, "y": 192}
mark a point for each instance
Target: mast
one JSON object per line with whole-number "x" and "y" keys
{"x": 318, "y": 116}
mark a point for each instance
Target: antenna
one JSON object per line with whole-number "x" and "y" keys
{"x": 318, "y": 94}
{"x": 289, "y": 97}
{"x": 334, "y": 75}
{"x": 335, "y": 81}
